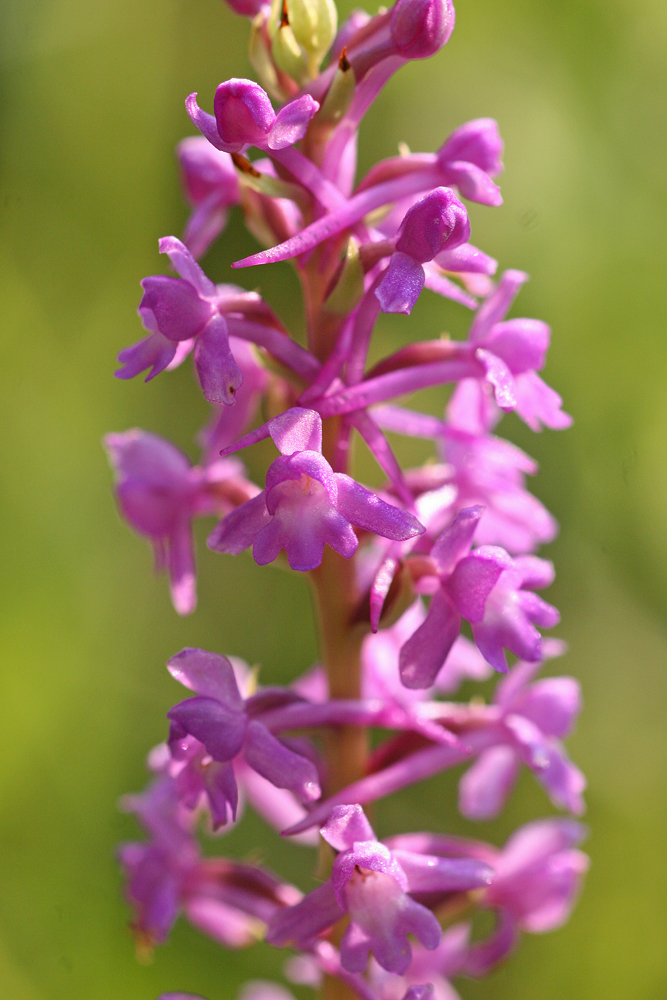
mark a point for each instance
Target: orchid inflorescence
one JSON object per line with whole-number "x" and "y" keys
{"x": 396, "y": 571}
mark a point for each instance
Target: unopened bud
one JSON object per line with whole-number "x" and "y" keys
{"x": 419, "y": 28}
{"x": 437, "y": 221}
{"x": 302, "y": 32}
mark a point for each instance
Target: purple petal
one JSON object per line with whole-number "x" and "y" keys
{"x": 438, "y": 283}
{"x": 300, "y": 924}
{"x": 478, "y": 142}
{"x": 521, "y": 343}
{"x": 455, "y": 541}
{"x": 222, "y": 792}
{"x": 427, "y": 873}
{"x": 538, "y": 611}
{"x": 464, "y": 662}
{"x": 416, "y": 767}
{"x": 466, "y": 258}
{"x": 345, "y": 825}
{"x": 220, "y": 728}
{"x": 500, "y": 377}
{"x": 553, "y": 705}
{"x": 535, "y": 573}
{"x": 292, "y": 122}
{"x": 297, "y": 429}
{"x": 496, "y": 306}
{"x": 178, "y": 310}
{"x": 204, "y": 122}
{"x": 369, "y": 855}
{"x": 154, "y": 352}
{"x": 219, "y": 375}
{"x": 207, "y": 674}
{"x": 434, "y": 223}
{"x": 146, "y": 458}
{"x": 482, "y": 957}
{"x": 424, "y": 653}
{"x": 282, "y": 767}
{"x": 186, "y": 266}
{"x": 238, "y": 530}
{"x": 563, "y": 781}
{"x": 401, "y": 284}
{"x": 419, "y": 28}
{"x": 484, "y": 787}
{"x": 424, "y": 992}
{"x": 366, "y": 510}
{"x": 182, "y": 576}
{"x": 473, "y": 580}
{"x": 381, "y": 917}
{"x": 472, "y": 182}
{"x": 537, "y": 403}
{"x": 243, "y": 113}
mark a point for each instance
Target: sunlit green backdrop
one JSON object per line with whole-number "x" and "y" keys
{"x": 92, "y": 106}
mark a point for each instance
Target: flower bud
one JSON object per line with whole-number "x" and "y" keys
{"x": 419, "y": 28}
{"x": 302, "y": 32}
{"x": 434, "y": 223}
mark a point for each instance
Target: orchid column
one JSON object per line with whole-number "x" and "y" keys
{"x": 396, "y": 572}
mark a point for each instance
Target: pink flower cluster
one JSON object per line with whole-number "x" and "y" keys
{"x": 444, "y": 574}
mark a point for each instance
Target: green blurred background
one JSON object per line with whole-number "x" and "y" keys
{"x": 92, "y": 106}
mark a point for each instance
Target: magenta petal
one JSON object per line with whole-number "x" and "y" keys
{"x": 220, "y": 728}
{"x": 366, "y": 510}
{"x": 434, "y": 223}
{"x": 382, "y": 916}
{"x": 521, "y": 343}
{"x": 482, "y": 957}
{"x": 484, "y": 787}
{"x": 238, "y": 530}
{"x": 419, "y": 28}
{"x": 553, "y": 704}
{"x": 466, "y": 258}
{"x": 222, "y": 792}
{"x": 300, "y": 924}
{"x": 282, "y": 767}
{"x": 426, "y": 650}
{"x": 422, "y": 992}
{"x": 401, "y": 284}
{"x": 500, "y": 377}
{"x": 154, "y": 352}
{"x": 208, "y": 674}
{"x": 297, "y": 429}
{"x": 345, "y": 825}
{"x": 292, "y": 122}
{"x": 496, "y": 306}
{"x": 537, "y": 403}
{"x": 535, "y": 573}
{"x": 472, "y": 182}
{"x": 219, "y": 375}
{"x": 427, "y": 873}
{"x": 455, "y": 541}
{"x": 187, "y": 267}
{"x": 179, "y": 311}
{"x": 204, "y": 122}
{"x": 472, "y": 581}
{"x": 182, "y": 577}
{"x": 478, "y": 142}
{"x": 538, "y": 611}
{"x": 369, "y": 855}
{"x": 243, "y": 113}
